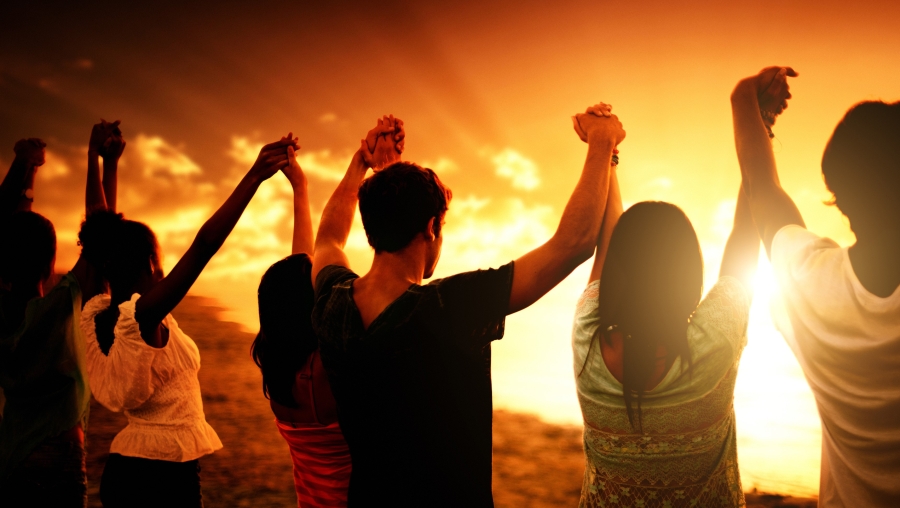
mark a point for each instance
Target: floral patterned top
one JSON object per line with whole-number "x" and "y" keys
{"x": 687, "y": 453}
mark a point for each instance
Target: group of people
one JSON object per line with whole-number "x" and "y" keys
{"x": 381, "y": 385}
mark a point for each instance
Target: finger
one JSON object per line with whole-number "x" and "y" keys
{"x": 290, "y": 152}
{"x": 791, "y": 72}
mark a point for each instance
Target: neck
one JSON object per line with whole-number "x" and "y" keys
{"x": 406, "y": 266}
{"x": 874, "y": 260}
{"x": 123, "y": 294}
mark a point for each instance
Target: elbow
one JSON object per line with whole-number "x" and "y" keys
{"x": 577, "y": 250}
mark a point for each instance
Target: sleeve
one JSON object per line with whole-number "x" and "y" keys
{"x": 328, "y": 277}
{"x": 124, "y": 378}
{"x": 586, "y": 323}
{"x": 794, "y": 250}
{"x": 476, "y": 303}
{"x": 725, "y": 313}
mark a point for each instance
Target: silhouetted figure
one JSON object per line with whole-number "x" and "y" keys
{"x": 838, "y": 308}
{"x": 294, "y": 380}
{"x": 140, "y": 361}
{"x": 42, "y": 362}
{"x": 410, "y": 363}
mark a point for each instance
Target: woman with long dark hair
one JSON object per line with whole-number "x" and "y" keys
{"x": 139, "y": 360}
{"x": 655, "y": 365}
{"x": 287, "y": 351}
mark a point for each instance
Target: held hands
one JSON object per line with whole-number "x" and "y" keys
{"x": 106, "y": 140}
{"x": 773, "y": 92}
{"x": 383, "y": 144}
{"x": 30, "y": 152}
{"x": 293, "y": 171}
{"x": 597, "y": 123}
{"x": 273, "y": 158}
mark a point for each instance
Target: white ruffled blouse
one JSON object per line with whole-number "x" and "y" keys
{"x": 157, "y": 388}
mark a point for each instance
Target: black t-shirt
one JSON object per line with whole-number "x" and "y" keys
{"x": 414, "y": 390}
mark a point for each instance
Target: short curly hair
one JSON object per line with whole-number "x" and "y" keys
{"x": 861, "y": 163}
{"x": 397, "y": 202}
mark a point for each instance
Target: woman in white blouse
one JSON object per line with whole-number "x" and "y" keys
{"x": 141, "y": 363}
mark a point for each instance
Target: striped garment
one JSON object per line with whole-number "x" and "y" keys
{"x": 321, "y": 461}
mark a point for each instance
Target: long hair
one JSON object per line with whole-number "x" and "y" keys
{"x": 29, "y": 248}
{"x": 650, "y": 285}
{"x": 285, "y": 338}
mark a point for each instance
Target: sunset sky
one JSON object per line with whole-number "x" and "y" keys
{"x": 486, "y": 91}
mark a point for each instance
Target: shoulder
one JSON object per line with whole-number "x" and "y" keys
{"x": 331, "y": 276}
{"x": 793, "y": 241}
{"x": 725, "y": 312}
{"x": 475, "y": 280}
{"x": 95, "y": 306}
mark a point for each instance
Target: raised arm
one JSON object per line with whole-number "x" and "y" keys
{"x": 302, "y": 241}
{"x": 538, "y": 271}
{"x": 382, "y": 147}
{"x": 16, "y": 190}
{"x": 610, "y": 219}
{"x": 106, "y": 142}
{"x": 756, "y": 97}
{"x": 742, "y": 249}
{"x": 153, "y": 306}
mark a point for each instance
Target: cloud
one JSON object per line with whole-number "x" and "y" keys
{"x": 84, "y": 64}
{"x": 522, "y": 171}
{"x": 328, "y": 118}
{"x": 54, "y": 167}
{"x": 442, "y": 165}
{"x": 158, "y": 157}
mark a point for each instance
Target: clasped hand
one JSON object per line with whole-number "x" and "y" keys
{"x": 30, "y": 152}
{"x": 598, "y": 123}
{"x": 106, "y": 140}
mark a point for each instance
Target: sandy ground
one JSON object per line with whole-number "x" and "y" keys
{"x": 536, "y": 464}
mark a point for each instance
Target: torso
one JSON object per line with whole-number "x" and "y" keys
{"x": 312, "y": 394}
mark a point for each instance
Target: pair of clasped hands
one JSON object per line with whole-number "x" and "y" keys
{"x": 381, "y": 147}
{"x": 597, "y": 123}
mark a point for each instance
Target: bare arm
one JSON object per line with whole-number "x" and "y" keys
{"x": 770, "y": 205}
{"x": 153, "y": 307}
{"x": 610, "y": 219}
{"x": 20, "y": 177}
{"x": 538, "y": 271}
{"x": 742, "y": 249}
{"x": 100, "y": 194}
{"x": 337, "y": 217}
{"x": 112, "y": 151}
{"x": 302, "y": 240}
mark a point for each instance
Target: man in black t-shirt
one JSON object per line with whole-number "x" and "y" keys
{"x": 409, "y": 364}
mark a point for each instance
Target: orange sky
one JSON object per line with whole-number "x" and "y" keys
{"x": 486, "y": 90}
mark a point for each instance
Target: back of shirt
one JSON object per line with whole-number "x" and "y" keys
{"x": 847, "y": 341}
{"x": 414, "y": 389}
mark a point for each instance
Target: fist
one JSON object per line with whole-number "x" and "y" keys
{"x": 30, "y": 151}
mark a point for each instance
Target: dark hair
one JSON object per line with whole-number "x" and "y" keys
{"x": 861, "y": 164}
{"x": 397, "y": 202}
{"x": 120, "y": 249}
{"x": 651, "y": 283}
{"x": 285, "y": 338}
{"x": 29, "y": 248}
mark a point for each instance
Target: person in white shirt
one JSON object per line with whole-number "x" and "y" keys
{"x": 838, "y": 308}
{"x": 138, "y": 359}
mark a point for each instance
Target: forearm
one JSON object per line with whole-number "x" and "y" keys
{"x": 581, "y": 220}
{"x": 110, "y": 181}
{"x": 303, "y": 234}
{"x": 94, "y": 198}
{"x": 610, "y": 219}
{"x": 754, "y": 148}
{"x": 741, "y": 254}
{"x": 215, "y": 231}
{"x": 16, "y": 181}
{"x": 337, "y": 217}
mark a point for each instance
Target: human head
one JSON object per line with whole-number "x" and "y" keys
{"x": 651, "y": 283}
{"x": 861, "y": 167}
{"x": 398, "y": 203}
{"x": 125, "y": 252}
{"x": 286, "y": 337}
{"x": 29, "y": 252}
